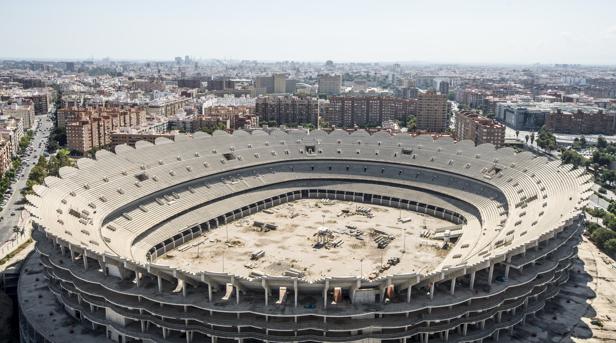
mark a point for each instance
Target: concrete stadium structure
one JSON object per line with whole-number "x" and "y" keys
{"x": 102, "y": 226}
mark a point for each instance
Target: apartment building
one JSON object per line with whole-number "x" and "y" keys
{"x": 479, "y": 129}
{"x": 23, "y": 110}
{"x": 581, "y": 122}
{"x": 11, "y": 130}
{"x": 431, "y": 112}
{"x": 330, "y": 84}
{"x": 91, "y": 128}
{"x": 366, "y": 111}
{"x": 6, "y": 155}
{"x": 287, "y": 110}
{"x": 167, "y": 106}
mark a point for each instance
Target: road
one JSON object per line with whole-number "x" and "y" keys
{"x": 12, "y": 205}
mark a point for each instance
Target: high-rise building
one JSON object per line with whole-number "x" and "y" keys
{"x": 280, "y": 83}
{"x": 91, "y": 128}
{"x": 264, "y": 85}
{"x": 330, "y": 84}
{"x": 479, "y": 129}
{"x": 366, "y": 111}
{"x": 443, "y": 87}
{"x": 432, "y": 112}
{"x": 287, "y": 110}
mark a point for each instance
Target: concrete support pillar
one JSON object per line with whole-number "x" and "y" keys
{"x": 446, "y": 335}
{"x": 160, "y": 284}
{"x": 453, "y": 286}
{"x": 483, "y": 324}
{"x": 432, "y": 291}
{"x": 472, "y": 284}
{"x": 265, "y": 290}
{"x": 187, "y": 337}
{"x": 464, "y": 329}
{"x": 184, "y": 288}
{"x": 85, "y": 260}
{"x": 209, "y": 292}
{"x": 408, "y": 294}
{"x": 295, "y": 292}
{"x": 499, "y": 317}
{"x": 325, "y": 289}
{"x": 511, "y": 330}
{"x": 237, "y": 294}
{"x": 497, "y": 335}
{"x": 490, "y": 273}
{"x": 138, "y": 279}
{"x": 142, "y": 326}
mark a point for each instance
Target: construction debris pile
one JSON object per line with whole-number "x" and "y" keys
{"x": 325, "y": 238}
{"x": 264, "y": 227}
{"x": 382, "y": 239}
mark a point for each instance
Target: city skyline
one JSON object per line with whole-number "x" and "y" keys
{"x": 475, "y": 32}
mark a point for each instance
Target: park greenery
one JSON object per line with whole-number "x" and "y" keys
{"x": 44, "y": 168}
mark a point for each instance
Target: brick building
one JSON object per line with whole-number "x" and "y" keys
{"x": 479, "y": 129}
{"x": 366, "y": 111}
{"x": 90, "y": 128}
{"x": 431, "y": 112}
{"x": 287, "y": 110}
{"x": 581, "y": 122}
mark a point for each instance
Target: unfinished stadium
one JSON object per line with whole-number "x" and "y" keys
{"x": 293, "y": 236}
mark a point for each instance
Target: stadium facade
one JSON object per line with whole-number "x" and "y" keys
{"x": 100, "y": 228}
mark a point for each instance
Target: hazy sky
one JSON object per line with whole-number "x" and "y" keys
{"x": 465, "y": 31}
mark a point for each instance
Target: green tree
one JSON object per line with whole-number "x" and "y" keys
{"x": 609, "y": 246}
{"x": 546, "y": 140}
{"x": 573, "y": 157}
{"x": 602, "y": 142}
{"x": 602, "y": 235}
{"x": 411, "y": 123}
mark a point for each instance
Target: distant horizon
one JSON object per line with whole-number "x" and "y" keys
{"x": 500, "y": 32}
{"x": 197, "y": 59}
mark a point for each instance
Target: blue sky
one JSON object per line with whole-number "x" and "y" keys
{"x": 459, "y": 31}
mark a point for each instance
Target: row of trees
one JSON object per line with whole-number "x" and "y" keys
{"x": 44, "y": 168}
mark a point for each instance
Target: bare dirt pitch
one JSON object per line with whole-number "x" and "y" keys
{"x": 317, "y": 238}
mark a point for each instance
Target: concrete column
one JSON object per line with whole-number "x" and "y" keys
{"x": 446, "y": 335}
{"x": 472, "y": 284}
{"x": 408, "y": 294}
{"x": 295, "y": 291}
{"x": 187, "y": 337}
{"x": 453, "y": 286}
{"x": 507, "y": 267}
{"x": 184, "y": 288}
{"x": 499, "y": 316}
{"x": 483, "y": 324}
{"x": 490, "y": 273}
{"x": 209, "y": 292}
{"x": 266, "y": 292}
{"x": 432, "y": 291}
{"x": 160, "y": 284}
{"x": 497, "y": 335}
{"x": 142, "y": 326}
{"x": 138, "y": 279}
{"x": 464, "y": 329}
{"x": 85, "y": 260}
{"x": 325, "y": 293}
{"x": 237, "y": 294}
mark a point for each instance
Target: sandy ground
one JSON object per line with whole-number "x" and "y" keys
{"x": 584, "y": 311}
{"x": 291, "y": 245}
